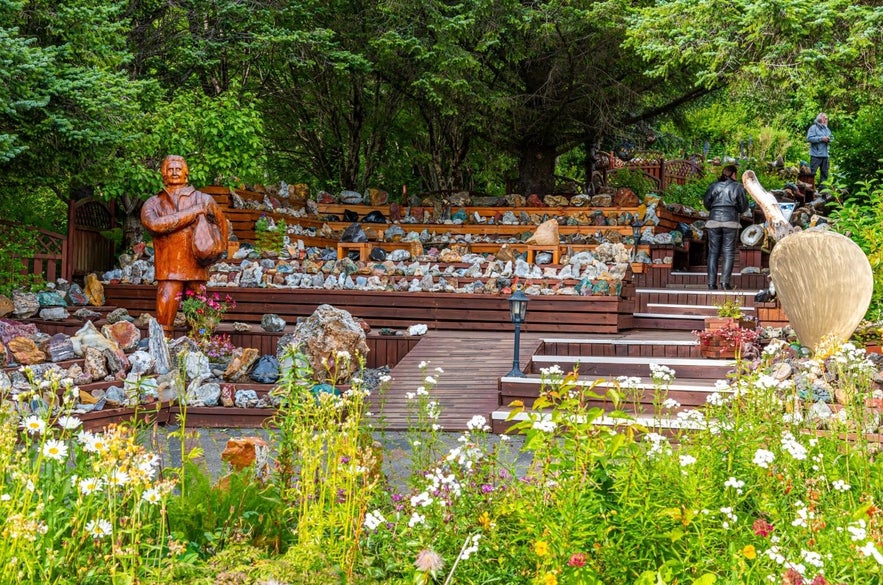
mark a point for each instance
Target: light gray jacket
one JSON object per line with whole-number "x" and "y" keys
{"x": 817, "y": 146}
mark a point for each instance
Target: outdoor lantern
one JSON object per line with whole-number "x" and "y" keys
{"x": 518, "y": 307}
{"x": 517, "y": 312}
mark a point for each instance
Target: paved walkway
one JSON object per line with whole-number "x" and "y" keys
{"x": 396, "y": 449}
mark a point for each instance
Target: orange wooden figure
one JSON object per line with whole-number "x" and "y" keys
{"x": 170, "y": 217}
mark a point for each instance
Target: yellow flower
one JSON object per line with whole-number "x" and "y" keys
{"x": 484, "y": 520}
{"x": 541, "y": 548}
{"x": 749, "y": 552}
{"x": 550, "y": 579}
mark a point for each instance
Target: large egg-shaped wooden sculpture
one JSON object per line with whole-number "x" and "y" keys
{"x": 824, "y": 283}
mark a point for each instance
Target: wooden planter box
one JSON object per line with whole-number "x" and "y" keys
{"x": 222, "y": 417}
{"x": 714, "y": 323}
{"x": 717, "y": 349}
{"x": 149, "y": 414}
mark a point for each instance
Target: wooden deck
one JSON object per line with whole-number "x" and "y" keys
{"x": 472, "y": 364}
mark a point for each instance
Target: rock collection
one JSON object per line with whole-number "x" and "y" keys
{"x": 116, "y": 368}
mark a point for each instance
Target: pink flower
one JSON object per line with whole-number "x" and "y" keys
{"x": 762, "y": 528}
{"x": 792, "y": 577}
{"x": 429, "y": 561}
{"x": 577, "y": 560}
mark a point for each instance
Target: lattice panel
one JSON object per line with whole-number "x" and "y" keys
{"x": 49, "y": 244}
{"x": 93, "y": 214}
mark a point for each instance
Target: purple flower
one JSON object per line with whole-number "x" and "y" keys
{"x": 487, "y": 488}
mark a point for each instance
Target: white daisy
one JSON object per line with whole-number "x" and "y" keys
{"x": 99, "y": 528}
{"x": 34, "y": 425}
{"x": 68, "y": 422}
{"x": 55, "y": 449}
{"x": 151, "y": 496}
{"x": 90, "y": 485}
{"x": 118, "y": 477}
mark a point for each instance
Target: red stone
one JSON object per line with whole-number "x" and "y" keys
{"x": 243, "y": 452}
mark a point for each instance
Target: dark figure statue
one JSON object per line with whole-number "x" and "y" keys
{"x": 726, "y": 200}
{"x": 171, "y": 216}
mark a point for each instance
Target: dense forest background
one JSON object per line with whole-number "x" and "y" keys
{"x": 483, "y": 95}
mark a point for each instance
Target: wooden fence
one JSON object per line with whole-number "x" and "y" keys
{"x": 50, "y": 252}
{"x": 655, "y": 167}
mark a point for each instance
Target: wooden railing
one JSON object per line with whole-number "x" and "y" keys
{"x": 49, "y": 256}
{"x": 662, "y": 172}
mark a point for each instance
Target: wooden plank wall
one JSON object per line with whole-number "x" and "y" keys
{"x": 545, "y": 314}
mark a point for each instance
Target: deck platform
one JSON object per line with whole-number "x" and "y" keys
{"x": 472, "y": 364}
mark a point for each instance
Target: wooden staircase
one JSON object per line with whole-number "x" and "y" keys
{"x": 668, "y": 305}
{"x": 621, "y": 362}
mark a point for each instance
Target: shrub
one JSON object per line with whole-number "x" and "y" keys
{"x": 17, "y": 241}
{"x": 856, "y": 149}
{"x": 859, "y": 216}
{"x": 634, "y": 179}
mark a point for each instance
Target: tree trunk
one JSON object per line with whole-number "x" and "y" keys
{"x": 592, "y": 144}
{"x": 133, "y": 231}
{"x": 536, "y": 170}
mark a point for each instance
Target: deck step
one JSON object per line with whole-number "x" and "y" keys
{"x": 698, "y": 368}
{"x": 613, "y": 340}
{"x": 661, "y": 424}
{"x": 673, "y": 316}
{"x": 690, "y": 310}
{"x": 702, "y": 385}
{"x": 706, "y": 291}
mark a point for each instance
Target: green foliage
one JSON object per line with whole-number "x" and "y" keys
{"x": 34, "y": 206}
{"x": 812, "y": 53}
{"x": 327, "y": 467}
{"x": 81, "y": 106}
{"x": 729, "y": 308}
{"x": 856, "y": 151}
{"x": 17, "y": 241}
{"x": 209, "y": 517}
{"x": 71, "y": 497}
{"x": 690, "y": 193}
{"x": 859, "y": 216}
{"x": 634, "y": 179}
{"x": 269, "y": 239}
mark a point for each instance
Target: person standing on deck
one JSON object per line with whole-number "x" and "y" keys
{"x": 725, "y": 200}
{"x": 819, "y": 137}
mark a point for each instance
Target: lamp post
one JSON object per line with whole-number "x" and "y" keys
{"x": 636, "y": 234}
{"x": 517, "y": 313}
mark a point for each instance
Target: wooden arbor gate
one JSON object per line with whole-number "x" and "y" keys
{"x": 88, "y": 250}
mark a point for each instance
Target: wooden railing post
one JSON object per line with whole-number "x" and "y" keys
{"x": 662, "y": 183}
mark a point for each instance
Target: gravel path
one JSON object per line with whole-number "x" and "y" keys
{"x": 212, "y": 441}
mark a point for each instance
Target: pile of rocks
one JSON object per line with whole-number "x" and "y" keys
{"x": 94, "y": 370}
{"x": 115, "y": 367}
{"x": 318, "y": 268}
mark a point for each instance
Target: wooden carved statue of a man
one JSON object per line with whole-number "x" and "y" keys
{"x": 171, "y": 217}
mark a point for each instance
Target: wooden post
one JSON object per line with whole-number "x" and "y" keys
{"x": 662, "y": 184}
